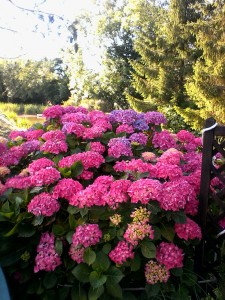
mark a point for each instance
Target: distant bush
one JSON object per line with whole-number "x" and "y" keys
{"x": 21, "y": 109}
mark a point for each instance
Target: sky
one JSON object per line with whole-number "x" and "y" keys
{"x": 17, "y": 36}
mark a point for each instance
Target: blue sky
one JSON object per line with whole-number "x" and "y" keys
{"x": 21, "y": 41}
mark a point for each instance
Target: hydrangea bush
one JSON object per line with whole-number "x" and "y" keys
{"x": 99, "y": 206}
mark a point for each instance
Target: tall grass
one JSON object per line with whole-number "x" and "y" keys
{"x": 21, "y": 109}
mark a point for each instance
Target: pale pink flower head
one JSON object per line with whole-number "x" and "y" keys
{"x": 169, "y": 255}
{"x": 4, "y": 171}
{"x": 43, "y": 204}
{"x": 188, "y": 231}
{"x": 149, "y": 156}
{"x": 53, "y": 112}
{"x": 47, "y": 258}
{"x": 121, "y": 253}
{"x": 138, "y": 231}
{"x": 171, "y": 156}
{"x": 155, "y": 272}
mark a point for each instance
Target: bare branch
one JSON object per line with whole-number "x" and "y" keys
{"x": 9, "y": 29}
{"x": 36, "y": 11}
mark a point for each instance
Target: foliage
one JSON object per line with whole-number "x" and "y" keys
{"x": 206, "y": 87}
{"x": 21, "y": 109}
{"x": 86, "y": 210}
{"x": 27, "y": 81}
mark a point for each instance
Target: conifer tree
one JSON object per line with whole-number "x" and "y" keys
{"x": 167, "y": 51}
{"x": 206, "y": 87}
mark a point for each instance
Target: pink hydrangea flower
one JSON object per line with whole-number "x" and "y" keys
{"x": 165, "y": 170}
{"x": 77, "y": 253}
{"x": 77, "y": 129}
{"x": 43, "y": 204}
{"x": 149, "y": 156}
{"x": 54, "y": 147}
{"x": 117, "y": 193}
{"x": 76, "y": 117}
{"x": 169, "y": 255}
{"x": 171, "y": 156}
{"x": 134, "y": 165}
{"x": 34, "y": 134}
{"x": 66, "y": 188}
{"x": 47, "y": 258}
{"x": 86, "y": 235}
{"x": 17, "y": 133}
{"x": 163, "y": 140}
{"x": 188, "y": 231}
{"x": 124, "y": 128}
{"x": 45, "y": 176}
{"x": 175, "y": 194}
{"x": 155, "y": 272}
{"x": 39, "y": 164}
{"x": 97, "y": 147}
{"x": 121, "y": 253}
{"x": 53, "y": 112}
{"x": 19, "y": 182}
{"x": 54, "y": 135}
{"x": 89, "y": 159}
{"x": 144, "y": 190}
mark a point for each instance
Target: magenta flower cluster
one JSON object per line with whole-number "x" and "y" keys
{"x": 88, "y": 179}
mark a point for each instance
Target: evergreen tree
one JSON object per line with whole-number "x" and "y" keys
{"x": 167, "y": 50}
{"x": 207, "y": 86}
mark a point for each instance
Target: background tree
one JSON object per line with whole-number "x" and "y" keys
{"x": 26, "y": 81}
{"x": 206, "y": 88}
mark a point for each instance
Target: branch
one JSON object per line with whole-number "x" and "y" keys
{"x": 9, "y": 29}
{"x": 36, "y": 11}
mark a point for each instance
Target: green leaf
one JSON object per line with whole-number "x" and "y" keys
{"x": 101, "y": 263}
{"x": 107, "y": 136}
{"x": 114, "y": 275}
{"x": 26, "y": 231}
{"x": 110, "y": 159}
{"x": 177, "y": 272}
{"x": 114, "y": 290}
{"x": 72, "y": 221}
{"x": 36, "y": 189}
{"x": 84, "y": 211}
{"x": 58, "y": 230}
{"x": 89, "y": 256}
{"x": 12, "y": 231}
{"x": 69, "y": 236}
{"x": 6, "y": 215}
{"x": 78, "y": 293}
{"x": 65, "y": 172}
{"x": 128, "y": 296}
{"x": 73, "y": 210}
{"x": 94, "y": 294}
{"x": 50, "y": 280}
{"x": 77, "y": 168}
{"x": 82, "y": 272}
{"x": 152, "y": 290}
{"x": 179, "y": 217}
{"x": 167, "y": 232}
{"x": 62, "y": 293}
{"x": 57, "y": 158}
{"x": 135, "y": 263}
{"x": 38, "y": 220}
{"x": 106, "y": 248}
{"x": 96, "y": 279}
{"x": 154, "y": 207}
{"x": 59, "y": 246}
{"x": 157, "y": 233}
{"x": 148, "y": 249}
